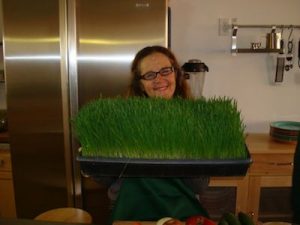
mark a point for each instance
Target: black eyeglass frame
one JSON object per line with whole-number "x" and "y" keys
{"x": 154, "y": 74}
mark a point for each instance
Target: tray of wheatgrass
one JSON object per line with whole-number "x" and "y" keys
{"x": 138, "y": 137}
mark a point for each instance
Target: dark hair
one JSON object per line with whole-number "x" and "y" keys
{"x": 135, "y": 89}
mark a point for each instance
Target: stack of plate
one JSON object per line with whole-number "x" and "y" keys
{"x": 286, "y": 131}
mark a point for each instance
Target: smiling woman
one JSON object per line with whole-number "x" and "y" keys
{"x": 156, "y": 73}
{"x": 161, "y": 83}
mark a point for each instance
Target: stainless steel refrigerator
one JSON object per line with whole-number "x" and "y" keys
{"x": 58, "y": 55}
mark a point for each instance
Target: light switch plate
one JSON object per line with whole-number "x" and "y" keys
{"x": 225, "y": 25}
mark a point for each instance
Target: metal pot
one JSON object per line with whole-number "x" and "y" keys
{"x": 273, "y": 39}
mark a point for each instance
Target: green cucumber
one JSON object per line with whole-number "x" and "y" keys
{"x": 223, "y": 222}
{"x": 245, "y": 219}
{"x": 231, "y": 219}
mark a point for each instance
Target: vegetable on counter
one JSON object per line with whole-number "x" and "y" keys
{"x": 161, "y": 221}
{"x": 199, "y": 220}
{"x": 245, "y": 219}
{"x": 231, "y": 219}
{"x": 169, "y": 221}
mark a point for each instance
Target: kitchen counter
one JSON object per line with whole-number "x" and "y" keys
{"x": 265, "y": 144}
{"x": 31, "y": 222}
{"x": 270, "y": 156}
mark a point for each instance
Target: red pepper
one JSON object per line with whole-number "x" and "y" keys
{"x": 199, "y": 220}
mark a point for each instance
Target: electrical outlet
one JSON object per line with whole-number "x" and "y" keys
{"x": 225, "y": 25}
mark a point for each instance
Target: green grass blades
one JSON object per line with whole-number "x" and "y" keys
{"x": 161, "y": 129}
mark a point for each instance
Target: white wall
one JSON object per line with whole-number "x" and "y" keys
{"x": 247, "y": 77}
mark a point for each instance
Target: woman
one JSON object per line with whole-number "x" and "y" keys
{"x": 156, "y": 73}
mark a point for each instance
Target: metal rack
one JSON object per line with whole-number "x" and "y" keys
{"x": 235, "y": 27}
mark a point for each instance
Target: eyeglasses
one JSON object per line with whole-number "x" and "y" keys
{"x": 165, "y": 71}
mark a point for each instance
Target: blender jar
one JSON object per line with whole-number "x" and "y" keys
{"x": 194, "y": 71}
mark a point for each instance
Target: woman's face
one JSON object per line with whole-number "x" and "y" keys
{"x": 161, "y": 86}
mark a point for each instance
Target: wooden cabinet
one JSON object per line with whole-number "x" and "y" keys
{"x": 241, "y": 188}
{"x": 7, "y": 200}
{"x": 272, "y": 167}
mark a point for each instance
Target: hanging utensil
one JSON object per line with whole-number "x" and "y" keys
{"x": 289, "y": 55}
{"x": 281, "y": 50}
{"x": 280, "y": 64}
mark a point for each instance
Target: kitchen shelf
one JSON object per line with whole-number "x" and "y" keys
{"x": 280, "y": 26}
{"x": 259, "y": 50}
{"x": 235, "y": 27}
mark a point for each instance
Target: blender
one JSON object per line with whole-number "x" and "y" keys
{"x": 194, "y": 71}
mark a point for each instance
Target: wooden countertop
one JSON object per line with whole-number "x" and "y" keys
{"x": 265, "y": 144}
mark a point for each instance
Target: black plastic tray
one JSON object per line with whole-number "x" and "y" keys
{"x": 122, "y": 167}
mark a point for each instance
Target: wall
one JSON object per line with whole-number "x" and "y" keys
{"x": 249, "y": 78}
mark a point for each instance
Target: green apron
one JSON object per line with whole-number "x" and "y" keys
{"x": 149, "y": 199}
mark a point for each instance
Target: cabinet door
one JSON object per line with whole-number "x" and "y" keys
{"x": 7, "y": 202}
{"x": 275, "y": 204}
{"x": 260, "y": 188}
{"x": 225, "y": 194}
